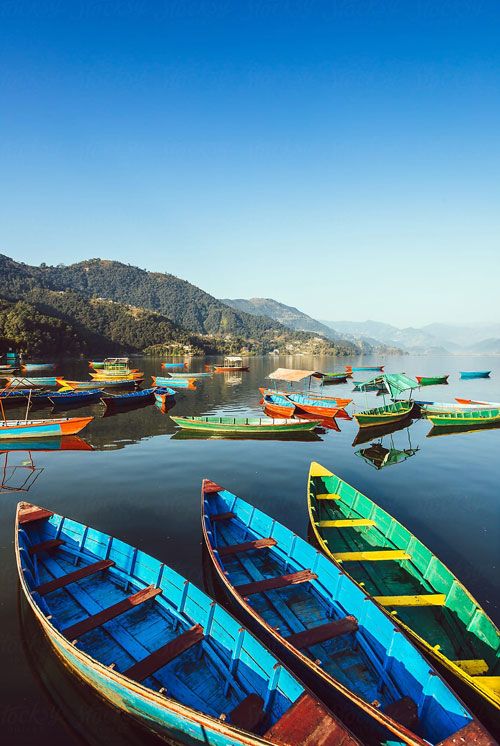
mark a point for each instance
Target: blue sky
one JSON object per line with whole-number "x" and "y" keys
{"x": 342, "y": 157}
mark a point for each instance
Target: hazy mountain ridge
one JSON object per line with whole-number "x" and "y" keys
{"x": 187, "y": 309}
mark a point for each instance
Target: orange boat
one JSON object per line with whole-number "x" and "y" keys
{"x": 42, "y": 428}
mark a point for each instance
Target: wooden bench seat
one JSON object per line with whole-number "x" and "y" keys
{"x": 246, "y": 546}
{"x": 152, "y": 663}
{"x": 324, "y": 632}
{"x": 222, "y": 517}
{"x": 404, "y": 711}
{"x": 249, "y": 714}
{"x": 45, "y": 546}
{"x": 96, "y": 620}
{"x": 72, "y": 577}
{"x": 308, "y": 723}
{"x": 271, "y": 584}
{"x": 28, "y": 515}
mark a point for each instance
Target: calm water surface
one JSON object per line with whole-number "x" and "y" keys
{"x": 142, "y": 483}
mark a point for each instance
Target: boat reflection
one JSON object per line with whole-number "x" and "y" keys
{"x": 380, "y": 456}
{"x": 324, "y": 423}
{"x": 462, "y": 429}
{"x": 62, "y": 443}
{"x": 199, "y": 435}
{"x": 18, "y": 474}
{"x": 366, "y": 434}
{"x": 89, "y": 719}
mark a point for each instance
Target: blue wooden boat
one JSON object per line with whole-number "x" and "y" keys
{"x": 20, "y": 396}
{"x": 74, "y": 398}
{"x": 163, "y": 395}
{"x": 155, "y": 646}
{"x": 35, "y": 367}
{"x": 475, "y": 374}
{"x": 328, "y": 630}
{"x": 350, "y": 368}
{"x": 174, "y": 383}
{"x": 126, "y": 400}
{"x": 46, "y": 428}
{"x": 173, "y": 365}
{"x": 31, "y": 382}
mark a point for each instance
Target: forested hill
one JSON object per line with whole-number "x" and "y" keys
{"x": 189, "y": 310}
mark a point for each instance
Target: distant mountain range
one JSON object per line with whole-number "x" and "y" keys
{"x": 105, "y": 306}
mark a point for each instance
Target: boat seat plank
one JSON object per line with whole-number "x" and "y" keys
{"x": 324, "y": 632}
{"x": 473, "y": 667}
{"x": 471, "y": 734}
{"x": 249, "y": 714}
{"x": 271, "y": 584}
{"x": 72, "y": 577}
{"x": 328, "y": 496}
{"x": 489, "y": 682}
{"x": 345, "y": 523}
{"x": 371, "y": 556}
{"x": 45, "y": 546}
{"x": 96, "y": 620}
{"x": 404, "y": 711}
{"x": 246, "y": 546}
{"x": 307, "y": 723}
{"x": 222, "y": 517}
{"x": 28, "y": 515}
{"x": 425, "y": 599}
{"x": 159, "y": 658}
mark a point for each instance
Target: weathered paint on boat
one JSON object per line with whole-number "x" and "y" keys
{"x": 216, "y": 682}
{"x": 102, "y": 375}
{"x": 475, "y": 374}
{"x": 42, "y": 428}
{"x": 174, "y": 383}
{"x": 464, "y": 417}
{"x": 383, "y": 415}
{"x": 335, "y": 402}
{"x": 432, "y": 380}
{"x": 59, "y": 398}
{"x": 32, "y": 382}
{"x": 432, "y": 605}
{"x": 327, "y": 628}
{"x": 278, "y": 406}
{"x": 164, "y": 395}
{"x": 254, "y": 425}
{"x": 124, "y": 400}
{"x": 104, "y": 384}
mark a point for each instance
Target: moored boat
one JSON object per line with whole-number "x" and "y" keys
{"x": 464, "y": 374}
{"x": 432, "y": 380}
{"x": 73, "y": 398}
{"x": 103, "y": 384}
{"x": 42, "y": 428}
{"x": 328, "y": 630}
{"x": 164, "y": 395}
{"x": 384, "y": 415}
{"x": 231, "y": 363}
{"x": 401, "y": 574}
{"x": 129, "y": 399}
{"x": 177, "y": 374}
{"x": 173, "y": 365}
{"x": 174, "y": 383}
{"x": 104, "y": 375}
{"x": 31, "y": 382}
{"x": 278, "y": 406}
{"x": 335, "y": 402}
{"x": 476, "y": 402}
{"x": 335, "y": 378}
{"x": 96, "y": 364}
{"x": 155, "y": 646}
{"x": 359, "y": 368}
{"x": 34, "y": 367}
{"x": 254, "y": 425}
{"x": 435, "y": 407}
{"x": 465, "y": 417}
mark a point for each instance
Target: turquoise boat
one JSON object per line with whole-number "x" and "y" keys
{"x": 174, "y": 383}
{"x": 464, "y": 374}
{"x": 155, "y": 646}
{"x": 42, "y": 428}
{"x": 31, "y": 382}
{"x": 328, "y": 630}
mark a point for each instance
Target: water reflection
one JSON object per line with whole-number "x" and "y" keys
{"x": 462, "y": 429}
{"x": 18, "y": 472}
{"x": 380, "y": 455}
{"x": 365, "y": 434}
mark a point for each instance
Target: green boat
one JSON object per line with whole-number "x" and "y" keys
{"x": 411, "y": 583}
{"x": 465, "y": 417}
{"x": 384, "y": 415}
{"x": 244, "y": 424}
{"x": 432, "y": 380}
{"x": 334, "y": 378}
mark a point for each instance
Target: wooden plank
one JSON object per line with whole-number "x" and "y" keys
{"x": 272, "y": 584}
{"x": 148, "y": 666}
{"x": 72, "y": 577}
{"x": 249, "y": 714}
{"x": 371, "y": 556}
{"x": 328, "y": 496}
{"x": 425, "y": 599}
{"x": 489, "y": 682}
{"x": 246, "y": 546}
{"x": 345, "y": 523}
{"x": 308, "y": 723}
{"x": 28, "y": 515}
{"x": 472, "y": 734}
{"x": 324, "y": 632}
{"x": 472, "y": 667}
{"x": 404, "y": 711}
{"x": 211, "y": 487}
{"x": 222, "y": 517}
{"x": 96, "y": 620}
{"x": 45, "y": 546}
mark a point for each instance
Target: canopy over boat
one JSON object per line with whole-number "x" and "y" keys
{"x": 396, "y": 383}
{"x": 293, "y": 375}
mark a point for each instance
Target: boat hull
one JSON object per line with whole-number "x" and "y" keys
{"x": 369, "y": 419}
{"x": 72, "y": 398}
{"x": 31, "y": 382}
{"x": 465, "y": 374}
{"x": 432, "y": 380}
{"x": 174, "y": 383}
{"x": 358, "y": 369}
{"x": 217, "y": 425}
{"x": 459, "y": 419}
{"x": 128, "y": 400}
{"x": 42, "y": 428}
{"x": 277, "y": 410}
{"x": 223, "y": 369}
{"x": 104, "y": 384}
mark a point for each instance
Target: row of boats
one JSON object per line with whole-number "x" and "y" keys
{"x": 360, "y": 635}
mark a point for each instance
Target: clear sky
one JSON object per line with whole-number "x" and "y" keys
{"x": 341, "y": 156}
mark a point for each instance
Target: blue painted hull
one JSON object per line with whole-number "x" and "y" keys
{"x": 475, "y": 374}
{"x": 173, "y": 365}
{"x": 176, "y": 383}
{"x": 126, "y": 400}
{"x": 74, "y": 398}
{"x": 23, "y": 381}
{"x": 182, "y": 695}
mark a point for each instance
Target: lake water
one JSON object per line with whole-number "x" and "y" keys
{"x": 141, "y": 483}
